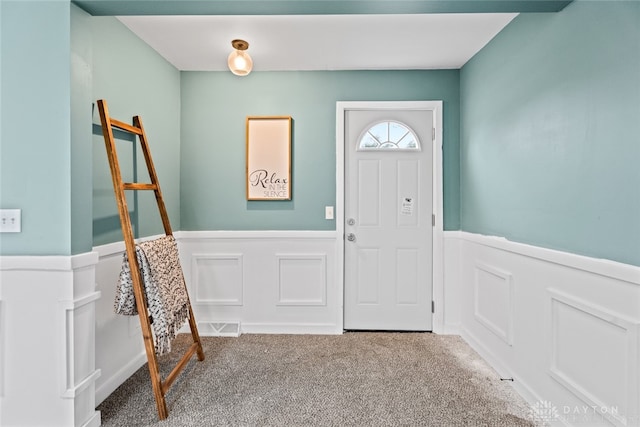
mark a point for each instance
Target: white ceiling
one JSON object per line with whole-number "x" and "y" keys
{"x": 321, "y": 42}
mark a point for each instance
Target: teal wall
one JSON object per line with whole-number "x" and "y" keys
{"x": 214, "y": 108}
{"x": 134, "y": 80}
{"x": 35, "y": 141}
{"x": 549, "y": 133}
{"x": 81, "y": 146}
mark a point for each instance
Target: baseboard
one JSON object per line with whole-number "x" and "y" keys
{"x": 451, "y": 329}
{"x": 290, "y": 328}
{"x": 94, "y": 421}
{"x": 113, "y": 382}
{"x": 485, "y": 352}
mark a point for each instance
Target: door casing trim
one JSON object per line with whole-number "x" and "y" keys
{"x": 438, "y": 230}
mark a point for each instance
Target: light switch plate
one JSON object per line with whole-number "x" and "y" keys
{"x": 328, "y": 212}
{"x": 10, "y": 221}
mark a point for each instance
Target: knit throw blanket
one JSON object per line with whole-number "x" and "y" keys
{"x": 164, "y": 287}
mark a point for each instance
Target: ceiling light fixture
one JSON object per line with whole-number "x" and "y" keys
{"x": 239, "y": 61}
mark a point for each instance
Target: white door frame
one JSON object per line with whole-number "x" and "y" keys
{"x": 438, "y": 229}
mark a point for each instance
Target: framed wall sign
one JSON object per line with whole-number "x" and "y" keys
{"x": 269, "y": 158}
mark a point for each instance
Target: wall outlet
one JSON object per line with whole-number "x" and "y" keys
{"x": 328, "y": 212}
{"x": 10, "y": 220}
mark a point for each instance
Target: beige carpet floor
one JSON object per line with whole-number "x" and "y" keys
{"x": 354, "y": 379}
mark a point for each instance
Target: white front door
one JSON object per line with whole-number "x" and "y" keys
{"x": 388, "y": 211}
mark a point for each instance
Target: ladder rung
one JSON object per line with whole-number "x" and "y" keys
{"x": 138, "y": 186}
{"x": 181, "y": 364}
{"x": 124, "y": 126}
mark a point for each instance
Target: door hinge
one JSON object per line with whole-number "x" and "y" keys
{"x": 433, "y": 220}
{"x": 433, "y": 306}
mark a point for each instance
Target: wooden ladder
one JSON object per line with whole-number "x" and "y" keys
{"x": 160, "y": 387}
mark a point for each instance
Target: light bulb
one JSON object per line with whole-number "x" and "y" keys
{"x": 239, "y": 61}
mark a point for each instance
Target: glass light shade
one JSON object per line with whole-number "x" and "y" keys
{"x": 240, "y": 62}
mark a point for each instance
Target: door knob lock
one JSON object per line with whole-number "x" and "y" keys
{"x": 351, "y": 237}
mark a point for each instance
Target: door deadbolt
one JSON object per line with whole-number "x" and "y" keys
{"x": 351, "y": 221}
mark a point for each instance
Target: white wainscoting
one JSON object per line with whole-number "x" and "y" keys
{"x": 565, "y": 327}
{"x": 264, "y": 281}
{"x": 47, "y": 340}
{"x": 547, "y": 319}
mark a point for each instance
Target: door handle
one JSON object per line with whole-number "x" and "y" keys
{"x": 351, "y": 237}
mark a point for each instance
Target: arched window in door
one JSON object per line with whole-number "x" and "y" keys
{"x": 388, "y": 135}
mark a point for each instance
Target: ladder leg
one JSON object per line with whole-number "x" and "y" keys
{"x": 156, "y": 383}
{"x": 195, "y": 335}
{"x": 147, "y": 335}
{"x": 165, "y": 220}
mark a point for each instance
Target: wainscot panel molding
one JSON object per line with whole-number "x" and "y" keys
{"x": 565, "y": 328}
{"x": 576, "y": 358}
{"x": 263, "y": 281}
{"x": 78, "y": 318}
{"x": 217, "y": 279}
{"x": 302, "y": 279}
{"x": 51, "y": 300}
{"x": 493, "y": 301}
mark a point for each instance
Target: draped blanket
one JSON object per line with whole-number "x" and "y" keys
{"x": 164, "y": 287}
